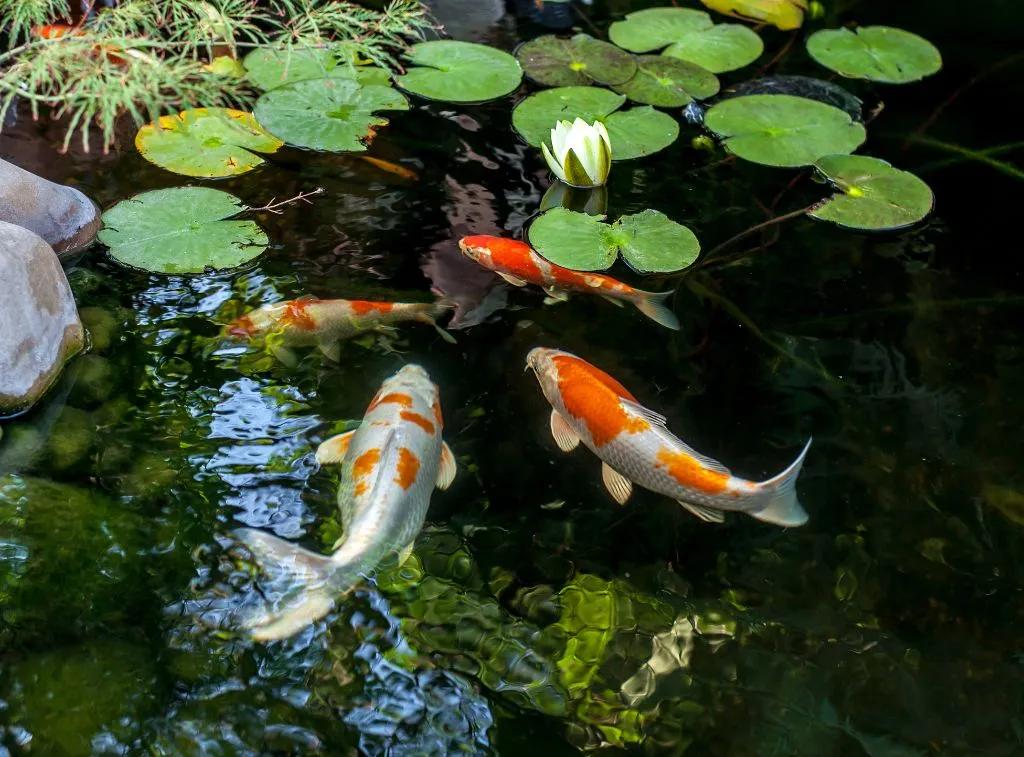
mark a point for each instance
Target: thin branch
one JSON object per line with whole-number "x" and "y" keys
{"x": 758, "y": 227}
{"x": 273, "y": 207}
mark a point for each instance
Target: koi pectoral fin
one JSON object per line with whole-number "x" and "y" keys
{"x": 333, "y": 450}
{"x": 447, "y": 469}
{"x": 513, "y": 280}
{"x": 331, "y": 350}
{"x": 614, "y": 300}
{"x": 565, "y": 436}
{"x": 286, "y": 355}
{"x": 706, "y": 514}
{"x": 617, "y": 485}
{"x": 556, "y": 294}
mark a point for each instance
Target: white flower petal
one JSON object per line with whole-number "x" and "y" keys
{"x": 578, "y": 144}
{"x": 553, "y": 164}
{"x": 558, "y": 137}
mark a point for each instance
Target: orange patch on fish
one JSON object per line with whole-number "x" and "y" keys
{"x": 419, "y": 420}
{"x": 396, "y": 398}
{"x": 408, "y": 468}
{"x": 55, "y": 31}
{"x": 594, "y": 397}
{"x": 362, "y": 307}
{"x": 688, "y": 472}
{"x": 436, "y": 407}
{"x": 361, "y": 488}
{"x": 296, "y": 313}
{"x": 510, "y": 256}
{"x": 243, "y": 327}
{"x": 365, "y": 463}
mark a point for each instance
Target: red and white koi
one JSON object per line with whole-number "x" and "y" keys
{"x": 519, "y": 265}
{"x": 310, "y": 322}
{"x": 634, "y": 446}
{"x": 390, "y": 465}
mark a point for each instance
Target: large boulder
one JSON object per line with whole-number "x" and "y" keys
{"x": 39, "y": 324}
{"x": 64, "y": 217}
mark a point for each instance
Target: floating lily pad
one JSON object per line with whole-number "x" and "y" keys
{"x": 327, "y": 114}
{"x": 206, "y": 142}
{"x": 783, "y": 14}
{"x": 269, "y": 68}
{"x": 460, "y": 72}
{"x": 181, "y": 230}
{"x": 633, "y": 133}
{"x": 823, "y": 91}
{"x": 578, "y": 61}
{"x": 689, "y": 35}
{"x": 668, "y": 82}
{"x": 872, "y": 194}
{"x": 878, "y": 53}
{"x": 782, "y": 130}
{"x": 648, "y": 241}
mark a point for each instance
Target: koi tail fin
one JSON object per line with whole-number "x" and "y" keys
{"x": 782, "y": 508}
{"x": 439, "y": 308}
{"x": 652, "y": 304}
{"x": 303, "y": 586}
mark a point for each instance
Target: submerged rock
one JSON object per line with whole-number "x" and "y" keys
{"x": 39, "y": 324}
{"x": 64, "y": 217}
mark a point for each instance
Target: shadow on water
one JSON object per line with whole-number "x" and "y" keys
{"x": 537, "y": 616}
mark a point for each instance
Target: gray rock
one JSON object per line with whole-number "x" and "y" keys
{"x": 39, "y": 325}
{"x": 64, "y": 217}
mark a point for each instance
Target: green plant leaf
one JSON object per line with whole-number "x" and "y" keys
{"x": 649, "y": 241}
{"x": 879, "y": 53}
{"x": 783, "y": 130}
{"x": 460, "y": 72}
{"x": 657, "y": 244}
{"x": 668, "y": 82}
{"x": 872, "y": 194}
{"x": 269, "y": 68}
{"x": 572, "y": 240}
{"x": 327, "y": 114}
{"x": 181, "y": 230}
{"x": 633, "y": 133}
{"x": 206, "y": 142}
{"x": 689, "y": 35}
{"x": 578, "y": 61}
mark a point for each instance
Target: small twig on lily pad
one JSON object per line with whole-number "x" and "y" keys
{"x": 273, "y": 207}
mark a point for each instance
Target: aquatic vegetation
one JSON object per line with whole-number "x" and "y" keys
{"x": 270, "y": 67}
{"x": 578, "y": 61}
{"x": 879, "y": 53}
{"x": 181, "y": 230}
{"x": 872, "y": 194}
{"x": 459, "y": 72}
{"x": 783, "y": 14}
{"x": 668, "y": 82}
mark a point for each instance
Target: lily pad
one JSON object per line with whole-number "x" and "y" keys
{"x": 577, "y": 61}
{"x": 633, "y": 133}
{"x": 460, "y": 72}
{"x": 823, "y": 91}
{"x": 782, "y": 14}
{"x": 206, "y": 142}
{"x": 269, "y": 68}
{"x": 872, "y": 194}
{"x": 668, "y": 82}
{"x": 327, "y": 114}
{"x": 689, "y": 35}
{"x": 648, "y": 241}
{"x": 783, "y": 130}
{"x": 181, "y": 230}
{"x": 879, "y": 53}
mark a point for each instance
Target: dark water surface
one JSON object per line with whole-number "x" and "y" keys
{"x": 538, "y": 617}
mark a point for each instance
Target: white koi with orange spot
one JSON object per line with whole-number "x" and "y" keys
{"x": 309, "y": 322}
{"x": 634, "y": 446}
{"x": 390, "y": 465}
{"x": 519, "y": 265}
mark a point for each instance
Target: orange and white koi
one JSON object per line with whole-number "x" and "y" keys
{"x": 634, "y": 446}
{"x": 310, "y": 322}
{"x": 519, "y": 265}
{"x": 390, "y": 466}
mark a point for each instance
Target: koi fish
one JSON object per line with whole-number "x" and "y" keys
{"x": 634, "y": 446}
{"x": 390, "y": 465}
{"x": 519, "y": 265}
{"x": 310, "y": 322}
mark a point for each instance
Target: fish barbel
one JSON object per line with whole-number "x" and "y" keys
{"x": 635, "y": 446}
{"x": 390, "y": 466}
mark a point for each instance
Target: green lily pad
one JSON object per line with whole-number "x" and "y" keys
{"x": 783, "y": 130}
{"x": 648, "y": 241}
{"x": 572, "y": 240}
{"x": 668, "y": 82}
{"x": 181, "y": 230}
{"x": 269, "y": 68}
{"x": 690, "y": 35}
{"x": 460, "y": 72}
{"x": 879, "y": 53}
{"x": 327, "y": 114}
{"x": 206, "y": 142}
{"x": 633, "y": 133}
{"x": 581, "y": 60}
{"x": 872, "y": 194}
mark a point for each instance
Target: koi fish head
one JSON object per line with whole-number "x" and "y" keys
{"x": 477, "y": 248}
{"x": 541, "y": 360}
{"x": 254, "y": 323}
{"x": 411, "y": 389}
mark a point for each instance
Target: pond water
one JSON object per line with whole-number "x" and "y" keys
{"x": 537, "y": 616}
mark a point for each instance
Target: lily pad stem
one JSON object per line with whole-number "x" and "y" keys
{"x": 709, "y": 257}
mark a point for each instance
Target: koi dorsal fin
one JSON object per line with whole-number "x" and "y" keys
{"x": 708, "y": 463}
{"x": 655, "y": 419}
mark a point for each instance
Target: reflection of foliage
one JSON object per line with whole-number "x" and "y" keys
{"x": 144, "y": 58}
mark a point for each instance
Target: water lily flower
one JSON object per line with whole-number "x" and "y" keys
{"x": 785, "y": 14}
{"x": 580, "y": 153}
